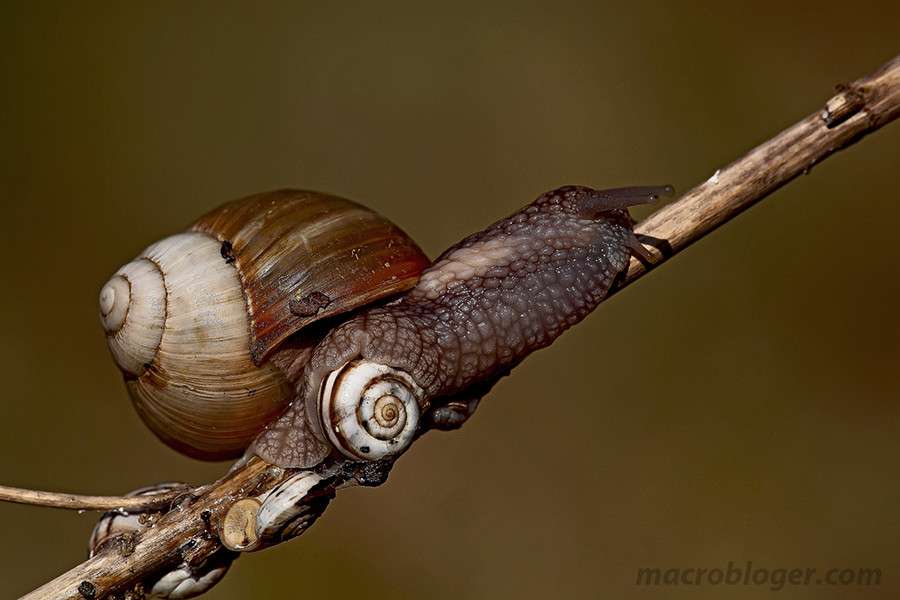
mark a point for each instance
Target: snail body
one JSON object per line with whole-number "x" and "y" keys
{"x": 421, "y": 351}
{"x": 476, "y": 312}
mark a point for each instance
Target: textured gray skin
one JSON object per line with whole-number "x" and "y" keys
{"x": 483, "y": 306}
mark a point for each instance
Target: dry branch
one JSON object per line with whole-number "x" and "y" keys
{"x": 80, "y": 502}
{"x": 189, "y": 531}
{"x": 857, "y": 109}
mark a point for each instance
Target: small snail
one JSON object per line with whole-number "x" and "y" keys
{"x": 178, "y": 581}
{"x": 297, "y": 324}
{"x": 279, "y": 515}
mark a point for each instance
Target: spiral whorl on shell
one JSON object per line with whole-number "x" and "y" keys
{"x": 192, "y": 320}
{"x": 370, "y": 411}
{"x": 176, "y": 325}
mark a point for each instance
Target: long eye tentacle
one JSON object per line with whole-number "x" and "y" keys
{"x": 595, "y": 201}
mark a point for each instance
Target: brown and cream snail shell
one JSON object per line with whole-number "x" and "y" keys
{"x": 193, "y": 320}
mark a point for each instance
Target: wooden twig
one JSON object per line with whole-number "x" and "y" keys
{"x": 857, "y": 109}
{"x": 186, "y": 533}
{"x": 80, "y": 502}
{"x": 189, "y": 531}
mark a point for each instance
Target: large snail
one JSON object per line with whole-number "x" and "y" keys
{"x": 297, "y": 324}
{"x": 194, "y": 320}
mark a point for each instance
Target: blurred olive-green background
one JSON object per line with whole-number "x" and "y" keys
{"x": 738, "y": 404}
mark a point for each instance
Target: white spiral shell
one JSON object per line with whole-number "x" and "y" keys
{"x": 176, "y": 324}
{"x": 277, "y": 516}
{"x": 286, "y": 512}
{"x": 370, "y": 411}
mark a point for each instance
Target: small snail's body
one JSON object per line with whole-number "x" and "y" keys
{"x": 389, "y": 370}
